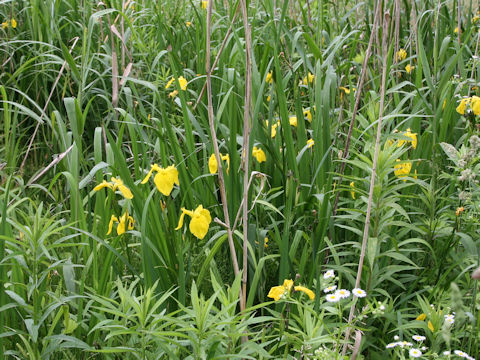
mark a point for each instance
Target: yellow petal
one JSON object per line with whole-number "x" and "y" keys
{"x": 183, "y": 83}
{"x": 212, "y": 164}
{"x": 110, "y": 224}
{"x": 131, "y": 223}
{"x": 475, "y": 105}
{"x": 309, "y": 292}
{"x": 102, "y": 185}
{"x": 4, "y": 24}
{"x": 430, "y": 326}
{"x": 226, "y": 158}
{"x": 308, "y": 115}
{"x": 287, "y": 284}
{"x": 165, "y": 179}
{"x": 154, "y": 167}
{"x": 127, "y": 194}
{"x": 200, "y": 222}
{"x": 169, "y": 83}
{"x": 13, "y": 22}
{"x": 276, "y": 292}
{"x": 310, "y": 143}
{"x": 269, "y": 78}
{"x": 462, "y": 106}
{"x": 421, "y": 317}
{"x": 352, "y": 192}
{"x": 180, "y": 221}
{"x": 204, "y": 4}
{"x": 293, "y": 120}
{"x": 259, "y": 154}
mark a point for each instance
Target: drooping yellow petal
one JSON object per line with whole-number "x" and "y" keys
{"x": 154, "y": 167}
{"x": 269, "y": 77}
{"x": 127, "y": 194}
{"x": 180, "y": 221}
{"x": 310, "y": 143}
{"x": 169, "y": 83}
{"x": 102, "y": 185}
{"x": 13, "y": 22}
{"x": 110, "y": 224}
{"x": 4, "y": 24}
{"x": 409, "y": 68}
{"x": 430, "y": 326}
{"x": 276, "y": 292}
{"x": 204, "y": 4}
{"x": 462, "y": 106}
{"x": 308, "y": 114}
{"x": 199, "y": 226}
{"x": 212, "y": 164}
{"x": 309, "y": 292}
{"x": 421, "y": 317}
{"x": 400, "y": 55}
{"x": 346, "y": 90}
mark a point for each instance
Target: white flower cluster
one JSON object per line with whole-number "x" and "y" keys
{"x": 460, "y": 353}
{"x": 340, "y": 293}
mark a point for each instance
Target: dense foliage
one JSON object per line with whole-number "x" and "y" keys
{"x": 335, "y": 149}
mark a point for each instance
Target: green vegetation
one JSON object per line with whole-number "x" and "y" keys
{"x": 313, "y": 196}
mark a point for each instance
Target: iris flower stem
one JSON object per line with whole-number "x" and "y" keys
{"x": 374, "y": 170}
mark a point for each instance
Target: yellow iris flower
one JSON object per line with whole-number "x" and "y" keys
{"x": 204, "y": 4}
{"x": 212, "y": 163}
{"x": 273, "y": 132}
{"x": 403, "y": 169}
{"x": 269, "y": 77}
{"x": 200, "y": 222}
{"x": 125, "y": 221}
{"x": 310, "y": 143}
{"x": 164, "y": 178}
{"x": 400, "y": 55}
{"x": 308, "y": 79}
{"x": 182, "y": 81}
{"x": 308, "y": 114}
{"x": 293, "y": 120}
{"x": 279, "y": 292}
{"x": 13, "y": 22}
{"x": 412, "y": 136}
{"x": 259, "y": 154}
{"x": 115, "y": 184}
{"x": 409, "y": 68}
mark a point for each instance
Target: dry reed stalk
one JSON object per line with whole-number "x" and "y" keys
{"x": 372, "y": 178}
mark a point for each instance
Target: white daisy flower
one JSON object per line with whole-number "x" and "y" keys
{"x": 329, "y": 274}
{"x": 449, "y": 319}
{"x": 330, "y": 288}
{"x": 342, "y": 293}
{"x": 404, "y": 344}
{"x": 332, "y": 297}
{"x": 447, "y": 352}
{"x": 396, "y": 337}
{"x": 424, "y": 348}
{"x": 391, "y": 345}
{"x": 460, "y": 353}
{"x": 359, "y": 293}
{"x": 418, "y": 338}
{"x": 382, "y": 307}
{"x": 415, "y": 353}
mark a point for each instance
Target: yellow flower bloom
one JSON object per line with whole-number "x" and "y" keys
{"x": 173, "y": 94}
{"x": 430, "y": 326}
{"x": 273, "y": 132}
{"x": 403, "y": 169}
{"x": 293, "y": 120}
{"x": 5, "y": 24}
{"x": 444, "y": 104}
{"x": 475, "y": 19}
{"x": 164, "y": 178}
{"x": 421, "y": 317}
{"x": 309, "y": 292}
{"x": 475, "y": 105}
{"x": 269, "y": 98}
{"x": 204, "y": 4}
{"x": 412, "y": 136}
{"x": 310, "y": 143}
{"x": 182, "y": 81}
{"x": 212, "y": 163}
{"x": 409, "y": 68}
{"x": 259, "y": 154}
{"x": 460, "y": 210}
{"x": 125, "y": 221}
{"x": 456, "y": 30}
{"x": 346, "y": 90}
{"x": 352, "y": 191}
{"x": 188, "y": 23}
{"x": 308, "y": 79}
{"x": 115, "y": 184}
{"x": 13, "y": 22}
{"x": 269, "y": 77}
{"x": 463, "y": 106}
{"x": 265, "y": 242}
{"x": 200, "y": 222}
{"x": 400, "y": 55}
{"x": 278, "y": 292}
{"x": 308, "y": 114}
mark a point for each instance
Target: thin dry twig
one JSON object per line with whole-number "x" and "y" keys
{"x": 372, "y": 178}
{"x": 211, "y": 122}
